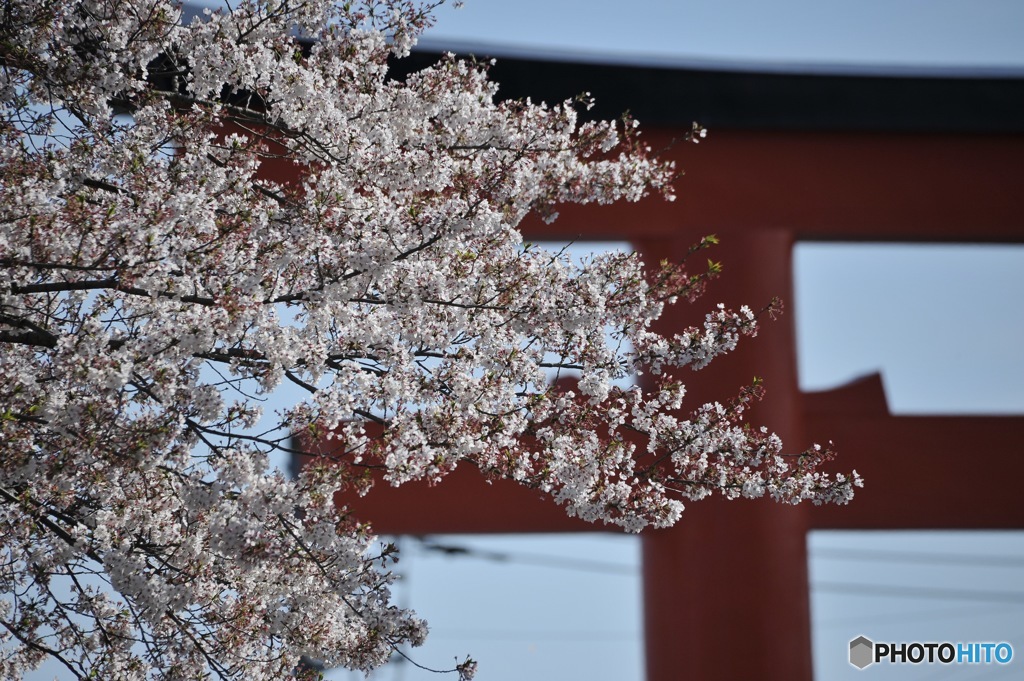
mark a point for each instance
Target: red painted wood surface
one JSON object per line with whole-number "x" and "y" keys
{"x": 923, "y": 472}
{"x": 824, "y": 185}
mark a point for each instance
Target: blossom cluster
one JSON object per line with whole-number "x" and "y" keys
{"x": 197, "y": 211}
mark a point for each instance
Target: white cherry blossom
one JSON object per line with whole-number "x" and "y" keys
{"x": 196, "y": 212}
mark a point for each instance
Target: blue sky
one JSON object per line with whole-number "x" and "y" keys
{"x": 977, "y": 34}
{"x": 944, "y": 323}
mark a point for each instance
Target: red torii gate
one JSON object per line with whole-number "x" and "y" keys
{"x": 737, "y": 571}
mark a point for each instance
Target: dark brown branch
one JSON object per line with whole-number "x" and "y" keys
{"x": 40, "y": 648}
{"x": 99, "y": 284}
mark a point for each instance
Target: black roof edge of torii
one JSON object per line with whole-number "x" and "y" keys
{"x": 745, "y": 98}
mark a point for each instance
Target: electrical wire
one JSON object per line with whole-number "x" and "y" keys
{"x": 536, "y": 559}
{"x": 976, "y": 609}
{"x": 535, "y": 635}
{"x": 935, "y": 593}
{"x": 884, "y": 555}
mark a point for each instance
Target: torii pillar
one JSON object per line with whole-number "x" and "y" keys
{"x": 725, "y": 591}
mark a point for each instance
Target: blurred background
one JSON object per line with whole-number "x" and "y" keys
{"x": 942, "y": 323}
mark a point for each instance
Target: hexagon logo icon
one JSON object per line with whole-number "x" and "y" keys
{"x": 861, "y": 652}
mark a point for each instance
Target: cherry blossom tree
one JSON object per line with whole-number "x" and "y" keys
{"x": 197, "y": 211}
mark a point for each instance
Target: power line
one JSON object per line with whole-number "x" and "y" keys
{"x": 976, "y": 609}
{"x": 534, "y": 635}
{"x": 540, "y": 560}
{"x": 986, "y": 560}
{"x": 935, "y": 593}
